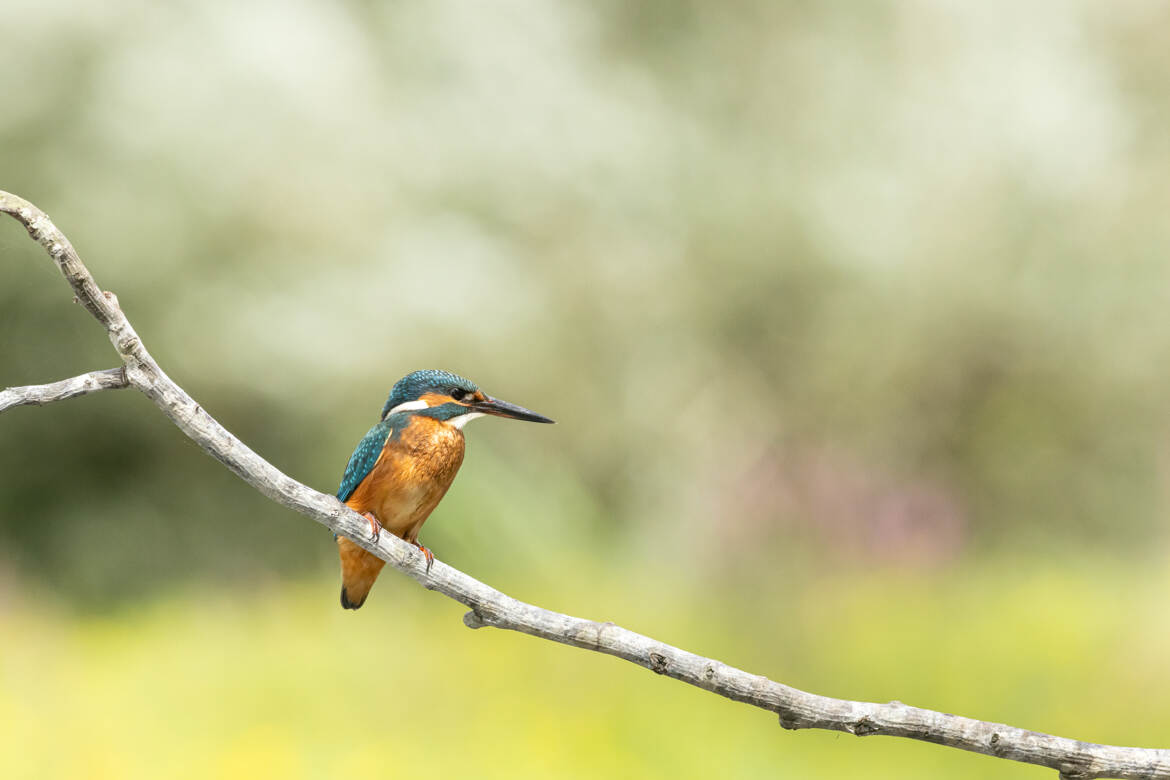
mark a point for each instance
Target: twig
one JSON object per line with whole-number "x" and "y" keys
{"x": 39, "y": 395}
{"x": 489, "y": 607}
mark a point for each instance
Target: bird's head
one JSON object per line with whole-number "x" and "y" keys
{"x": 450, "y": 398}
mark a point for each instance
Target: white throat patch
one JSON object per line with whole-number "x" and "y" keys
{"x": 463, "y": 419}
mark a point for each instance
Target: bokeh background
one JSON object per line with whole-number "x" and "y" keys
{"x": 853, "y": 316}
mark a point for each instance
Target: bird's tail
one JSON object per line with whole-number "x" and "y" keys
{"x": 359, "y": 569}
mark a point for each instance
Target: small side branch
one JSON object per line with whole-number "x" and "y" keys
{"x": 39, "y": 395}
{"x": 797, "y": 709}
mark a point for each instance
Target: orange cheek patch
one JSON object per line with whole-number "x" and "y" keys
{"x": 436, "y": 399}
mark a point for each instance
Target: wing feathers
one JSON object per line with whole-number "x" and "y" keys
{"x": 361, "y": 463}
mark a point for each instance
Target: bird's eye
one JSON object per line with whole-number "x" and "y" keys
{"x": 458, "y": 394}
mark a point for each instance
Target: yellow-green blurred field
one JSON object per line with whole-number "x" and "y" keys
{"x": 278, "y": 682}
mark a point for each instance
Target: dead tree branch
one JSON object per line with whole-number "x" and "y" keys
{"x": 39, "y": 395}
{"x": 489, "y": 607}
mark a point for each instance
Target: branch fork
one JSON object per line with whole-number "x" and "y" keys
{"x": 796, "y": 709}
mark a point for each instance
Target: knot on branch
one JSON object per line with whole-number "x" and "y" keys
{"x": 1077, "y": 767}
{"x": 125, "y": 343}
{"x": 473, "y": 619}
{"x": 658, "y": 663}
{"x": 863, "y": 727}
{"x": 789, "y": 721}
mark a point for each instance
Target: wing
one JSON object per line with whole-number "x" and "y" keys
{"x": 363, "y": 459}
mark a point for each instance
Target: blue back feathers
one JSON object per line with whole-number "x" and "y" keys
{"x": 429, "y": 380}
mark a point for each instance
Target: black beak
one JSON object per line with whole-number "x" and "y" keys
{"x": 504, "y": 409}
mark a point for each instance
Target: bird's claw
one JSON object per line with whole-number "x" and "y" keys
{"x": 430, "y": 556}
{"x": 375, "y": 526}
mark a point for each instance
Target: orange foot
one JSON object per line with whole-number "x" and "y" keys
{"x": 430, "y": 556}
{"x": 375, "y": 526}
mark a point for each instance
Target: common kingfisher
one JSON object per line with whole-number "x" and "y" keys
{"x": 402, "y": 468}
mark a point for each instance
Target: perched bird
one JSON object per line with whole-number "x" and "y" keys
{"x": 402, "y": 468}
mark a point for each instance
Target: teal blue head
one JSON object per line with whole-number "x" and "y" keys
{"x": 450, "y": 398}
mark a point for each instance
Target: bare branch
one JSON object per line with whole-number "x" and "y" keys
{"x": 489, "y": 607}
{"x": 39, "y": 395}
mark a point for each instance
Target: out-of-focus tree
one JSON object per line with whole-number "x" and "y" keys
{"x": 819, "y": 282}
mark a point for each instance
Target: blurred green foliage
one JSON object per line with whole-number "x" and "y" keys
{"x": 813, "y": 290}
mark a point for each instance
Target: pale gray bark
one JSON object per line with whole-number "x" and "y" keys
{"x": 39, "y": 395}
{"x": 489, "y": 607}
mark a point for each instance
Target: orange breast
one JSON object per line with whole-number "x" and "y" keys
{"x": 411, "y": 476}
